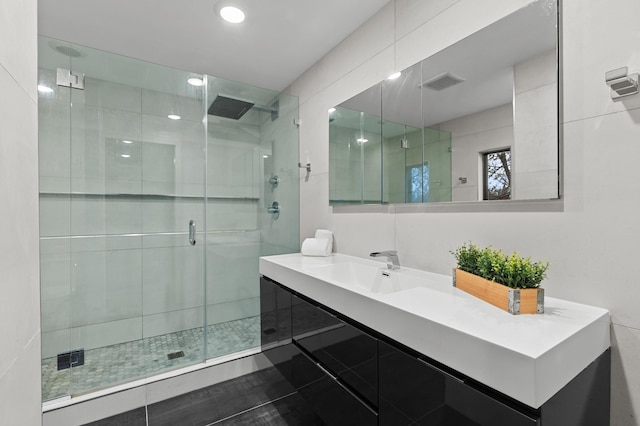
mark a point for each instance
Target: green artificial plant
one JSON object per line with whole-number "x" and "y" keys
{"x": 510, "y": 270}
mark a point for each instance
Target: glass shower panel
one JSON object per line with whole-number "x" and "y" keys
{"x": 55, "y": 219}
{"x": 248, "y": 143}
{"x": 153, "y": 214}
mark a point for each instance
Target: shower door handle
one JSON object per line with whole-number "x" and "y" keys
{"x": 192, "y": 232}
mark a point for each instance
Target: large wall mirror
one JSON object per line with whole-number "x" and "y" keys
{"x": 477, "y": 121}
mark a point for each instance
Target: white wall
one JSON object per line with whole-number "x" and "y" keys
{"x": 19, "y": 254}
{"x": 592, "y": 245}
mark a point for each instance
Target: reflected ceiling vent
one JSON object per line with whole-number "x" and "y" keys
{"x": 223, "y": 106}
{"x": 442, "y": 81}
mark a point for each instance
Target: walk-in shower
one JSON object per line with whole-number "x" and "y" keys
{"x": 153, "y": 213}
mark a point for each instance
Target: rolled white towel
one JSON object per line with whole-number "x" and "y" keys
{"x": 316, "y": 247}
{"x": 324, "y": 233}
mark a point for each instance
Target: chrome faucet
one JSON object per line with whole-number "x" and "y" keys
{"x": 393, "y": 262}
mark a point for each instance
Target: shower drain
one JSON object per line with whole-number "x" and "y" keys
{"x": 174, "y": 355}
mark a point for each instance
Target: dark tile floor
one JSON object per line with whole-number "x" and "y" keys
{"x": 260, "y": 398}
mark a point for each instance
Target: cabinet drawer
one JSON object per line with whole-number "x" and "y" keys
{"x": 483, "y": 409}
{"x": 412, "y": 390}
{"x": 348, "y": 353}
{"x": 331, "y": 401}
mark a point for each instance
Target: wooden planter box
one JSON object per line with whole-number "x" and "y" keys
{"x": 513, "y": 300}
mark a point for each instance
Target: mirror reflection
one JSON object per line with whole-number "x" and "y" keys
{"x": 477, "y": 121}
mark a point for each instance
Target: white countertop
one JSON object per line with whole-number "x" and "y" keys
{"x": 528, "y": 357}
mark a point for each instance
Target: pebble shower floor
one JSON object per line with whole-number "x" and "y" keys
{"x": 124, "y": 362}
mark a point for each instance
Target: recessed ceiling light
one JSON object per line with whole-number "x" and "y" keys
{"x": 174, "y": 117}
{"x": 332, "y": 110}
{"x": 125, "y": 155}
{"x": 362, "y": 140}
{"x": 232, "y": 14}
{"x": 44, "y": 89}
{"x": 195, "y": 81}
{"x": 394, "y": 75}
{"x": 127, "y": 142}
{"x": 265, "y": 156}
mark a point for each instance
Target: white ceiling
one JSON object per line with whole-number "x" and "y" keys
{"x": 279, "y": 40}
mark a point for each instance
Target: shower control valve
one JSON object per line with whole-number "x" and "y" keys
{"x": 274, "y": 209}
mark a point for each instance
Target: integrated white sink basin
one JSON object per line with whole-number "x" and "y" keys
{"x": 371, "y": 278}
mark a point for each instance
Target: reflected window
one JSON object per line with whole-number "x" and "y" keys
{"x": 417, "y": 183}
{"x": 497, "y": 175}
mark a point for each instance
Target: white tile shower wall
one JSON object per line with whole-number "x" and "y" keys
{"x": 591, "y": 244}
{"x": 232, "y": 157}
{"x": 105, "y": 286}
{"x": 231, "y": 271}
{"x": 172, "y": 278}
{"x": 278, "y": 140}
{"x": 230, "y": 311}
{"x": 19, "y": 285}
{"x": 111, "y": 95}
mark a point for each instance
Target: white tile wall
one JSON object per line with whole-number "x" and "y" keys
{"x": 172, "y": 278}
{"x": 19, "y": 249}
{"x": 232, "y": 272}
{"x": 592, "y": 244}
{"x": 170, "y": 322}
{"x": 233, "y": 310}
{"x": 105, "y": 286}
{"x": 626, "y": 346}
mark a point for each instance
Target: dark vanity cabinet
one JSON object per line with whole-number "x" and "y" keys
{"x": 352, "y": 375}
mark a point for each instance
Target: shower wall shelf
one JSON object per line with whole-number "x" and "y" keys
{"x": 147, "y": 196}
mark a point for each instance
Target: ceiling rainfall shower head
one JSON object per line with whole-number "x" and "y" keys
{"x": 223, "y": 106}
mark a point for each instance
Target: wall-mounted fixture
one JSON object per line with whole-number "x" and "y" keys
{"x": 274, "y": 209}
{"x": 305, "y": 166}
{"x": 462, "y": 179}
{"x": 274, "y": 180}
{"x": 66, "y": 78}
{"x": 621, "y": 82}
{"x": 192, "y": 232}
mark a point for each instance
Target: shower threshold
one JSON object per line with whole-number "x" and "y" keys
{"x": 121, "y": 366}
